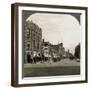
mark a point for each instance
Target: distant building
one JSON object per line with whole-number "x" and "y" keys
{"x": 67, "y": 53}
{"x": 45, "y": 48}
{"x": 58, "y": 49}
{"x": 32, "y": 39}
{"x": 61, "y": 49}
{"x": 53, "y": 50}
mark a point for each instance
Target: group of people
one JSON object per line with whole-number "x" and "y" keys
{"x": 36, "y": 58}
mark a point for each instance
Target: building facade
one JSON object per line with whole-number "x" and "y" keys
{"x": 58, "y": 50}
{"x": 32, "y": 40}
{"x": 53, "y": 51}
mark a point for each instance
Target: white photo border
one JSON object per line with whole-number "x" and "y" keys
{"x": 34, "y": 80}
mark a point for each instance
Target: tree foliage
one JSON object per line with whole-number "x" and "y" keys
{"x": 77, "y": 51}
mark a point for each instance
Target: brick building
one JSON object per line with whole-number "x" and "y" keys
{"x": 58, "y": 49}
{"x": 53, "y": 51}
{"x": 32, "y": 39}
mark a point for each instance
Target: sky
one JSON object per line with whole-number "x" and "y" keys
{"x": 57, "y": 28}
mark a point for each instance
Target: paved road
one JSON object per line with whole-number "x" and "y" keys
{"x": 63, "y": 67}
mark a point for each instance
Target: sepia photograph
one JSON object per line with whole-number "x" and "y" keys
{"x": 48, "y": 44}
{"x": 51, "y": 43}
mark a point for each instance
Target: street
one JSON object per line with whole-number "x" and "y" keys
{"x": 63, "y": 67}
